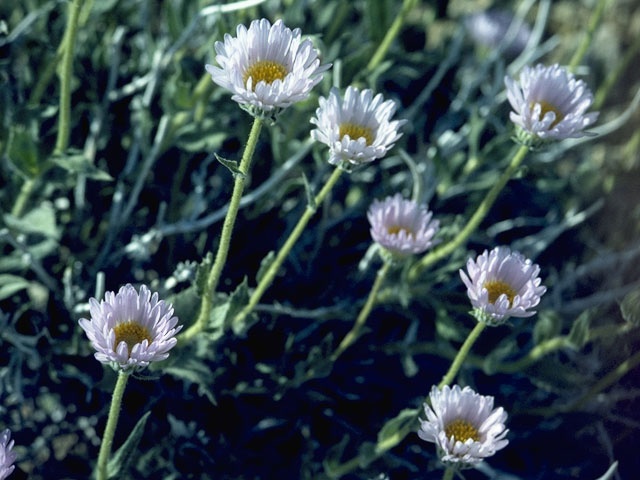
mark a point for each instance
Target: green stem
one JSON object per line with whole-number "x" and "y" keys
{"x": 391, "y": 34}
{"x": 225, "y": 237}
{"x": 23, "y": 197}
{"x": 448, "y": 474}
{"x": 64, "y": 128}
{"x": 594, "y": 21}
{"x": 353, "y": 334}
{"x": 479, "y": 215}
{"x": 112, "y": 422}
{"x": 395, "y": 439}
{"x": 271, "y": 272}
{"x": 44, "y": 78}
{"x": 462, "y": 353}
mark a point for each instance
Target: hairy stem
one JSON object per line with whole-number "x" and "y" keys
{"x": 112, "y": 423}
{"x": 64, "y": 117}
{"x": 448, "y": 474}
{"x": 391, "y": 34}
{"x": 351, "y": 337}
{"x": 473, "y": 223}
{"x": 594, "y": 21}
{"x": 271, "y": 272}
{"x": 23, "y": 197}
{"x": 225, "y": 237}
{"x": 462, "y": 354}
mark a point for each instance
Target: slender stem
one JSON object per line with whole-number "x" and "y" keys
{"x": 594, "y": 21}
{"x": 112, "y": 422}
{"x": 462, "y": 353}
{"x": 608, "y": 380}
{"x": 364, "y": 313}
{"x": 473, "y": 223}
{"x": 271, "y": 272}
{"x": 23, "y": 197}
{"x": 392, "y": 33}
{"x": 448, "y": 474}
{"x": 64, "y": 128}
{"x": 225, "y": 237}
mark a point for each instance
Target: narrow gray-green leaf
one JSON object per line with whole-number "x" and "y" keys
{"x": 121, "y": 460}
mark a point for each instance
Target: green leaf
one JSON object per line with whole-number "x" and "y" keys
{"x": 23, "y": 151}
{"x": 40, "y": 220}
{"x": 10, "y": 284}
{"x": 237, "y": 301}
{"x": 630, "y": 307}
{"x": 311, "y": 199}
{"x": 265, "y": 263}
{"x": 548, "y": 326}
{"x": 232, "y": 165}
{"x": 331, "y": 460}
{"x": 121, "y": 460}
{"x": 202, "y": 273}
{"x": 78, "y": 164}
{"x": 579, "y": 334}
{"x": 186, "y": 305}
{"x": 194, "y": 137}
{"x": 394, "y": 430}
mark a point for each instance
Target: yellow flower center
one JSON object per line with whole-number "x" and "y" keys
{"x": 131, "y": 333}
{"x": 265, "y": 71}
{"x": 356, "y": 131}
{"x": 396, "y": 229}
{"x": 497, "y": 288}
{"x": 546, "y": 108}
{"x": 461, "y": 430}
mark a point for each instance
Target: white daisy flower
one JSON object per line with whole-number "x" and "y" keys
{"x": 266, "y": 67}
{"x": 502, "y": 284}
{"x": 549, "y": 104}
{"x": 402, "y": 226}
{"x": 464, "y": 425}
{"x": 7, "y": 457}
{"x": 490, "y": 27}
{"x": 130, "y": 330}
{"x": 357, "y": 129}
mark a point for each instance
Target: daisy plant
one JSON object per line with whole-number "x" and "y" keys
{"x": 267, "y": 68}
{"x": 358, "y": 129}
{"x": 128, "y": 330}
{"x": 549, "y": 104}
{"x": 400, "y": 228}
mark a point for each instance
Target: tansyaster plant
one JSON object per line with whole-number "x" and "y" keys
{"x": 402, "y": 227}
{"x": 464, "y": 426}
{"x": 549, "y": 103}
{"x": 7, "y": 456}
{"x": 131, "y": 330}
{"x": 502, "y": 284}
{"x": 357, "y": 128}
{"x": 266, "y": 67}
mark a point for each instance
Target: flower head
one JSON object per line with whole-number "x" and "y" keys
{"x": 402, "y": 226}
{"x": 549, "y": 104}
{"x": 266, "y": 67}
{"x": 464, "y": 425}
{"x": 358, "y": 129}
{"x": 130, "y": 330}
{"x": 490, "y": 27}
{"x": 502, "y": 284}
{"x": 7, "y": 457}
